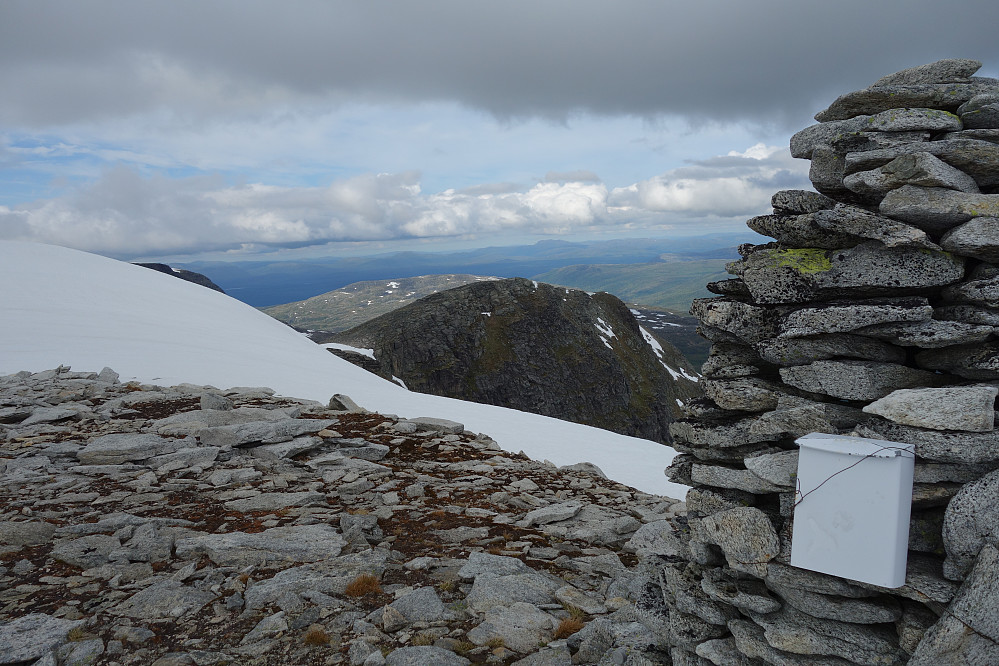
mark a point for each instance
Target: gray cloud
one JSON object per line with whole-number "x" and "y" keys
{"x": 769, "y": 61}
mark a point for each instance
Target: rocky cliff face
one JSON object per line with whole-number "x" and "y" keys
{"x": 873, "y": 314}
{"x": 534, "y": 347}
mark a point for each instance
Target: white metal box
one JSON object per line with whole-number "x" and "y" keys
{"x": 853, "y": 500}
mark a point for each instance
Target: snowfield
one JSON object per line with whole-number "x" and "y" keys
{"x": 65, "y": 307}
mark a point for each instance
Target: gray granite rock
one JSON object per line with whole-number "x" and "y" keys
{"x": 980, "y": 112}
{"x": 796, "y": 202}
{"x": 267, "y": 432}
{"x": 746, "y": 537}
{"x": 552, "y": 513}
{"x": 746, "y": 322}
{"x": 874, "y": 610}
{"x": 430, "y": 424}
{"x": 86, "y": 552}
{"x": 278, "y": 545}
{"x": 971, "y": 518}
{"x": 779, "y": 469}
{"x": 930, "y": 334}
{"x": 125, "y": 447}
{"x": 948, "y": 70}
{"x": 744, "y": 394}
{"x": 423, "y": 655}
{"x": 936, "y": 209}
{"x": 968, "y": 632}
{"x": 531, "y": 588}
{"x": 276, "y": 501}
{"x": 521, "y": 626}
{"x": 843, "y": 316}
{"x": 32, "y": 636}
{"x": 480, "y": 563}
{"x": 778, "y": 276}
{"x": 164, "y": 599}
{"x": 330, "y": 576}
{"x": 422, "y": 605}
{"x": 796, "y": 632}
{"x": 804, "y": 142}
{"x": 805, "y": 350}
{"x": 977, "y": 238}
{"x": 785, "y": 576}
{"x": 984, "y": 292}
{"x": 738, "y": 479}
{"x": 887, "y": 96}
{"x": 856, "y": 380}
{"x": 15, "y": 534}
{"x": 977, "y": 361}
{"x": 946, "y": 446}
{"x": 970, "y": 408}
{"x": 920, "y": 169}
{"x": 751, "y": 642}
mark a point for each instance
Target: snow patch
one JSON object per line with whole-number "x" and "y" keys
{"x": 62, "y": 306}
{"x": 660, "y": 353}
{"x": 370, "y": 353}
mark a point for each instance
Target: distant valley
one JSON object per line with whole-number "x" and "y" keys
{"x": 267, "y": 283}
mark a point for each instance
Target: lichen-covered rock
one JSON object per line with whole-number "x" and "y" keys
{"x": 946, "y": 446}
{"x": 936, "y": 209}
{"x": 799, "y": 275}
{"x": 922, "y": 169}
{"x": 805, "y": 350}
{"x": 929, "y": 334}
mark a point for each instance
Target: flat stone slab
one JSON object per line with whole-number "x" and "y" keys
{"x": 921, "y": 169}
{"x": 532, "y": 588}
{"x": 32, "y": 636}
{"x": 776, "y": 276}
{"x": 480, "y": 563}
{"x": 936, "y": 209}
{"x": 276, "y": 501}
{"x": 947, "y": 446}
{"x": 746, "y": 536}
{"x": 167, "y": 599}
{"x": 266, "y": 432}
{"x": 423, "y": 655}
{"x": 521, "y": 626}
{"x": 977, "y": 361}
{"x": 929, "y": 334}
{"x": 805, "y": 350}
{"x": 277, "y": 545}
{"x": 979, "y": 159}
{"x": 978, "y": 238}
{"x": 856, "y": 380}
{"x": 126, "y": 447}
{"x": 967, "y": 408}
{"x": 551, "y": 514}
{"x": 844, "y": 317}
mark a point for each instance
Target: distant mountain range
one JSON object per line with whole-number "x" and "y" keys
{"x": 266, "y": 283}
{"x": 357, "y": 303}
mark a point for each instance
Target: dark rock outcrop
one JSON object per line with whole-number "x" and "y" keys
{"x": 534, "y": 347}
{"x": 190, "y": 276}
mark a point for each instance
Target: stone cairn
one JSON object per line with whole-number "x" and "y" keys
{"x": 873, "y": 314}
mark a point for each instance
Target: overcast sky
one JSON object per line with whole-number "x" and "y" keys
{"x": 244, "y": 127}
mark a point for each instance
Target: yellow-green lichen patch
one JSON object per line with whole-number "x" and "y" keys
{"x": 804, "y": 260}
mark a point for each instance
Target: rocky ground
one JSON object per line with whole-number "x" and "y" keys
{"x": 187, "y": 525}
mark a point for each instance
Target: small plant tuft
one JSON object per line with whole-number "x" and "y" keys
{"x": 568, "y": 627}
{"x": 315, "y": 636}
{"x": 574, "y": 612}
{"x": 423, "y": 639}
{"x": 363, "y": 585}
{"x": 495, "y": 642}
{"x": 449, "y": 585}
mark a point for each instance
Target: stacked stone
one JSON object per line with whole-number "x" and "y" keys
{"x": 873, "y": 314}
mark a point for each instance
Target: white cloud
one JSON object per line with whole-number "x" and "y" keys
{"x": 739, "y": 183}
{"x": 125, "y": 213}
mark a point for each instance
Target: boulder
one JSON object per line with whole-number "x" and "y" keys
{"x": 937, "y": 210}
{"x": 969, "y": 408}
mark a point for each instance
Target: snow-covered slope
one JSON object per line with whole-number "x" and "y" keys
{"x": 61, "y": 306}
